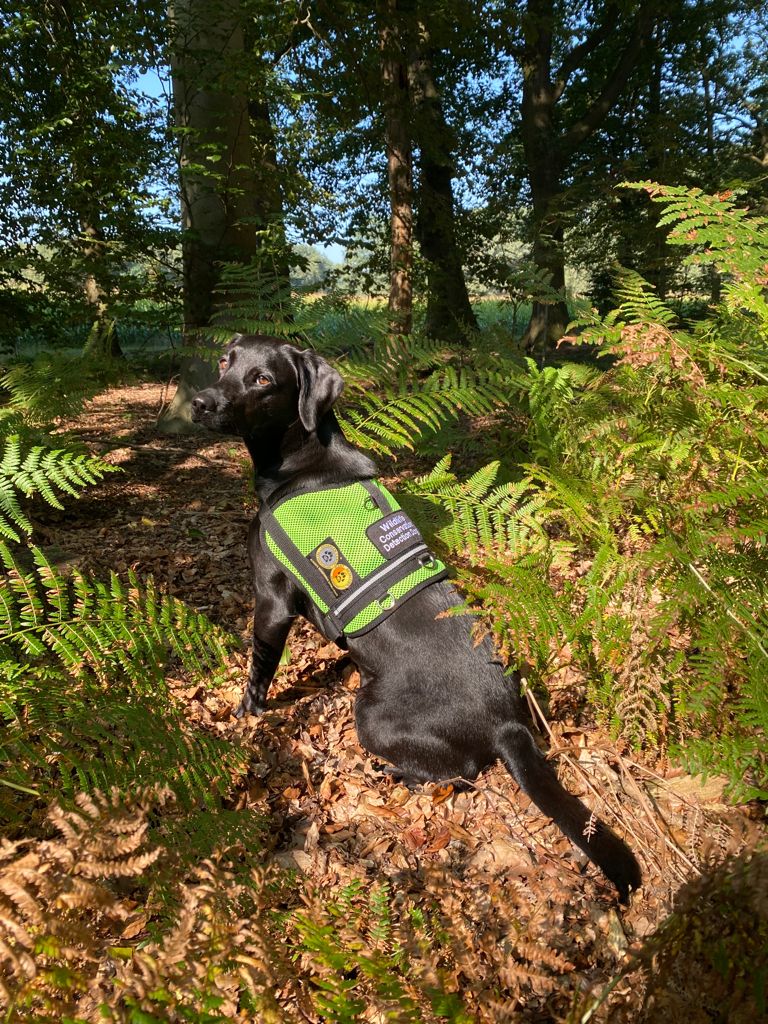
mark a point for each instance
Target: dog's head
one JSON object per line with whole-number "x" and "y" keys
{"x": 265, "y": 385}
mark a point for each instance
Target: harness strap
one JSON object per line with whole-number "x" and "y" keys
{"x": 417, "y": 558}
{"x": 317, "y": 579}
{"x": 377, "y": 497}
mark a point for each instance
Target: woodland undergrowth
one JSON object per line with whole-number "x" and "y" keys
{"x": 607, "y": 513}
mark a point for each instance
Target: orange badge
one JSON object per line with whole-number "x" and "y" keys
{"x": 341, "y": 576}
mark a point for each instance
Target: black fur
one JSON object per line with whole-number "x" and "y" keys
{"x": 430, "y": 702}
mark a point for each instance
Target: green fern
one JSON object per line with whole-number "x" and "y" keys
{"x": 718, "y": 232}
{"x": 41, "y": 471}
{"x": 360, "y": 961}
{"x": 400, "y": 416}
{"x": 55, "y": 386}
{"x": 252, "y": 298}
{"x": 60, "y": 737}
{"x": 83, "y": 694}
{"x": 482, "y": 516}
{"x": 389, "y": 362}
{"x": 103, "y": 630}
{"x": 337, "y": 328}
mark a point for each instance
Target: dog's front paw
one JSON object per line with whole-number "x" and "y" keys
{"x": 249, "y": 706}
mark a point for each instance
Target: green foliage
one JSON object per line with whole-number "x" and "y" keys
{"x": 62, "y": 736}
{"x": 721, "y": 234}
{"x": 253, "y": 298}
{"x": 55, "y": 385}
{"x": 632, "y": 541}
{"x": 91, "y": 628}
{"x": 83, "y": 696}
{"x": 401, "y": 389}
{"x": 391, "y": 418}
{"x": 360, "y": 957}
{"x": 482, "y": 516}
{"x": 41, "y": 471}
{"x": 660, "y": 461}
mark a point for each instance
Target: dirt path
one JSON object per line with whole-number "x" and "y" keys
{"x": 180, "y": 510}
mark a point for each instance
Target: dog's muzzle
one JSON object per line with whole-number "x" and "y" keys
{"x": 204, "y": 405}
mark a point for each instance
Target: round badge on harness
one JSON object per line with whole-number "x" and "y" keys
{"x": 341, "y": 577}
{"x": 327, "y": 556}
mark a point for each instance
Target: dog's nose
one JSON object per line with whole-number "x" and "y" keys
{"x": 203, "y": 402}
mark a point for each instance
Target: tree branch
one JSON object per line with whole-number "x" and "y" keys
{"x": 575, "y": 58}
{"x": 614, "y": 84}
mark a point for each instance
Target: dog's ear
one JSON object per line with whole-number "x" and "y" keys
{"x": 319, "y": 387}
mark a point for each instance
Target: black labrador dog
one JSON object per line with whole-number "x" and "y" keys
{"x": 431, "y": 702}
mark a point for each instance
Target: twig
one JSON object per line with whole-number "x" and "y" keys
{"x": 655, "y": 818}
{"x": 533, "y": 703}
{"x": 623, "y": 821}
{"x": 561, "y": 751}
{"x": 592, "y": 1010}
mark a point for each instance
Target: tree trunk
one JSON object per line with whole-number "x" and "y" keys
{"x": 548, "y": 147}
{"x": 229, "y": 212}
{"x": 218, "y": 214}
{"x": 268, "y": 197}
{"x": 449, "y": 313}
{"x": 549, "y": 319}
{"x": 102, "y": 341}
{"x": 543, "y": 156}
{"x": 396, "y": 101}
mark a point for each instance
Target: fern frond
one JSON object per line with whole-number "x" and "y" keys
{"x": 391, "y": 362}
{"x": 396, "y": 419}
{"x": 62, "y": 736}
{"x": 529, "y": 621}
{"x": 41, "y": 471}
{"x": 55, "y": 386}
{"x": 482, "y": 516}
{"x": 87, "y": 707}
{"x": 720, "y": 233}
{"x": 98, "y": 629}
{"x": 252, "y": 299}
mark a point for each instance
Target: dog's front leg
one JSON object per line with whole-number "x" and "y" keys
{"x": 269, "y": 636}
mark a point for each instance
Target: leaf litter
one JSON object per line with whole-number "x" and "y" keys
{"x": 540, "y": 931}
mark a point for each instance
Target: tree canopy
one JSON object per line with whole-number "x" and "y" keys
{"x": 450, "y": 145}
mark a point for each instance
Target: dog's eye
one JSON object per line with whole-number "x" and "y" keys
{"x": 262, "y": 380}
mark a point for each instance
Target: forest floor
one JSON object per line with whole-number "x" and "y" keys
{"x": 535, "y": 920}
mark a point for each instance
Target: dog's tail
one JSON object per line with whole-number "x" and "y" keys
{"x": 538, "y": 780}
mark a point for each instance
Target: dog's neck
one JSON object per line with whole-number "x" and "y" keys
{"x": 303, "y": 460}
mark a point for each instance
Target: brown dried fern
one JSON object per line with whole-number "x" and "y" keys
{"x": 50, "y": 898}
{"x": 214, "y": 947}
{"x": 62, "y": 954}
{"x": 709, "y": 960}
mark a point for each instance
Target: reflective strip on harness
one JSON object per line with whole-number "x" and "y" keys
{"x": 354, "y": 552}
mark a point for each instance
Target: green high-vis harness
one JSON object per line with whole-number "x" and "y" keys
{"x": 353, "y": 551}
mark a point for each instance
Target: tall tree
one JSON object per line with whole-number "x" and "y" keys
{"x": 221, "y": 53}
{"x": 371, "y": 81}
{"x": 550, "y": 52}
{"x": 395, "y": 20}
{"x": 449, "y": 312}
{"x": 230, "y": 205}
{"x": 79, "y": 148}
